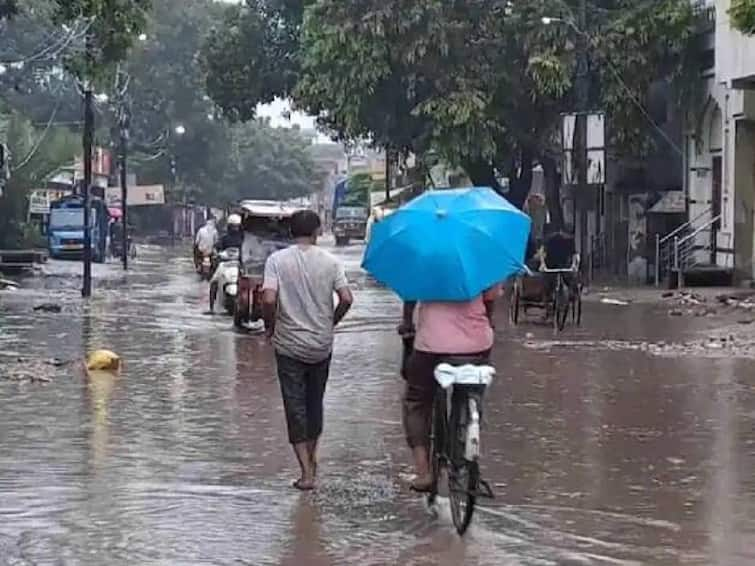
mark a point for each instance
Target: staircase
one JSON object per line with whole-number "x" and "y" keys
{"x": 688, "y": 249}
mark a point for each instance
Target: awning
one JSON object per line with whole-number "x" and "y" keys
{"x": 672, "y": 202}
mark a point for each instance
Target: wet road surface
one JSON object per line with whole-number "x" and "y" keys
{"x": 600, "y": 453}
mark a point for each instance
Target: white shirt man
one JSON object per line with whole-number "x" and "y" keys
{"x": 207, "y": 238}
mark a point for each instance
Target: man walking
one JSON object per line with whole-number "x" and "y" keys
{"x": 300, "y": 317}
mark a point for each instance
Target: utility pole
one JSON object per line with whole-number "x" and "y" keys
{"x": 124, "y": 120}
{"x": 173, "y": 182}
{"x": 582, "y": 88}
{"x": 88, "y": 142}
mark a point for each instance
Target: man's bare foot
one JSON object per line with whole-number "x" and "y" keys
{"x": 304, "y": 484}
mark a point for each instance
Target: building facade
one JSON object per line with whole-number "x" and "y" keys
{"x": 720, "y": 151}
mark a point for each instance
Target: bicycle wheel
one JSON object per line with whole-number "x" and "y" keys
{"x": 463, "y": 475}
{"x": 437, "y": 442}
{"x": 560, "y": 307}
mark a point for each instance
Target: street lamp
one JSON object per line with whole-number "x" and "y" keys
{"x": 180, "y": 130}
{"x": 142, "y": 37}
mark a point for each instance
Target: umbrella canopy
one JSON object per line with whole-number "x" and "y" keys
{"x": 448, "y": 245}
{"x": 115, "y": 212}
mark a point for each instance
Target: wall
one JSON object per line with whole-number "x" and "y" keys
{"x": 735, "y": 53}
{"x": 744, "y": 178}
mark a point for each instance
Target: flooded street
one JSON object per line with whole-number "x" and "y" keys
{"x": 599, "y": 451}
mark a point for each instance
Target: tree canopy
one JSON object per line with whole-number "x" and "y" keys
{"x": 743, "y": 15}
{"x": 483, "y": 83}
{"x": 159, "y": 78}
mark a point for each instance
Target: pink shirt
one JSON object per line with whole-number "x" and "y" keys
{"x": 455, "y": 328}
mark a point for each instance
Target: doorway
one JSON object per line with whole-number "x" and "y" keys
{"x": 716, "y": 195}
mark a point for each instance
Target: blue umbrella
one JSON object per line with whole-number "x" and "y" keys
{"x": 448, "y": 245}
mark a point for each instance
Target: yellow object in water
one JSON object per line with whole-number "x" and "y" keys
{"x": 103, "y": 360}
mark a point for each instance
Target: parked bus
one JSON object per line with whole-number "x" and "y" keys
{"x": 65, "y": 232}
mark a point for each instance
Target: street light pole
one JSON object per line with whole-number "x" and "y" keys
{"x": 124, "y": 122}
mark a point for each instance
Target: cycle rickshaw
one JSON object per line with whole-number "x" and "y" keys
{"x": 531, "y": 291}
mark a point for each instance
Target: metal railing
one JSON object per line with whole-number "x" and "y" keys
{"x": 687, "y": 249}
{"x": 666, "y": 246}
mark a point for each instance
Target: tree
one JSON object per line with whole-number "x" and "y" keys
{"x": 39, "y": 152}
{"x": 8, "y": 9}
{"x": 252, "y": 56}
{"x": 742, "y": 14}
{"x": 113, "y": 25}
{"x": 219, "y": 161}
{"x": 482, "y": 82}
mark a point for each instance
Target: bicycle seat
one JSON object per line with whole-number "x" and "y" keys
{"x": 447, "y": 375}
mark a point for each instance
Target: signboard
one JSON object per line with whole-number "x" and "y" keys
{"x": 40, "y": 199}
{"x": 595, "y": 150}
{"x": 139, "y": 195}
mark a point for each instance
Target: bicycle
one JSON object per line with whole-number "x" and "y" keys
{"x": 565, "y": 298}
{"x": 455, "y": 435}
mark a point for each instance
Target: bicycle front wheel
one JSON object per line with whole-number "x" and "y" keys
{"x": 463, "y": 475}
{"x": 437, "y": 443}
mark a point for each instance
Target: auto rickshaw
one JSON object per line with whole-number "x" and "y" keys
{"x": 267, "y": 229}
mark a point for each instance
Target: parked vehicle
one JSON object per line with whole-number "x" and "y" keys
{"x": 267, "y": 228}
{"x": 227, "y": 278}
{"x": 351, "y": 209}
{"x": 65, "y": 233}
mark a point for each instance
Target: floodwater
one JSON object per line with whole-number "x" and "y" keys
{"x": 597, "y": 455}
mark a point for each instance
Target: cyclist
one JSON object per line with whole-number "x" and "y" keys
{"x": 559, "y": 253}
{"x": 440, "y": 330}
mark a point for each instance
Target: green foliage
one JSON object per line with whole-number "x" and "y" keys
{"x": 742, "y": 14}
{"x": 35, "y": 153}
{"x": 251, "y": 57}
{"x": 218, "y": 161}
{"x": 8, "y": 9}
{"x": 114, "y": 26}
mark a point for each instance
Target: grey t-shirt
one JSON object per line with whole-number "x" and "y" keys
{"x": 305, "y": 278}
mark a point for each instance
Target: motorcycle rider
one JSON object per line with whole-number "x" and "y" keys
{"x": 205, "y": 242}
{"x": 233, "y": 238}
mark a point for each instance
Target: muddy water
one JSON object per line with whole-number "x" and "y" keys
{"x": 598, "y": 455}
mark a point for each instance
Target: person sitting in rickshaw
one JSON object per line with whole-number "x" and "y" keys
{"x": 559, "y": 252}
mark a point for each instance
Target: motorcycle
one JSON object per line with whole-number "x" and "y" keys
{"x": 204, "y": 266}
{"x": 116, "y": 248}
{"x": 226, "y": 277}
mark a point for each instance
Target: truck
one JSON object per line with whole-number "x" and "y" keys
{"x": 65, "y": 231}
{"x": 351, "y": 208}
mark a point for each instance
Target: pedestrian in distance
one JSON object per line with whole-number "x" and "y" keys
{"x": 300, "y": 318}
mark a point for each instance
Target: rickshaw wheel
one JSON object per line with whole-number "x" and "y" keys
{"x": 515, "y": 303}
{"x": 577, "y": 307}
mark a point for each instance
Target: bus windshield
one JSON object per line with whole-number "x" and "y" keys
{"x": 69, "y": 218}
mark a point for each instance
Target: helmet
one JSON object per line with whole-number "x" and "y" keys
{"x": 234, "y": 220}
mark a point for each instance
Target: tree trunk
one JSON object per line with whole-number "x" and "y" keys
{"x": 520, "y": 181}
{"x": 553, "y": 192}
